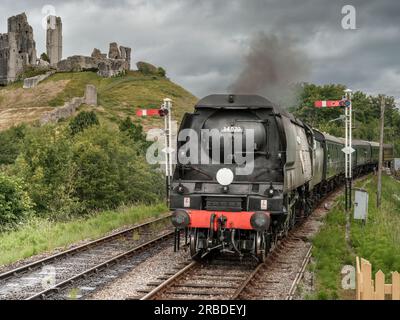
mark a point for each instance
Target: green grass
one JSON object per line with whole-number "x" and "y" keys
{"x": 378, "y": 241}
{"x": 122, "y": 96}
{"x": 40, "y": 235}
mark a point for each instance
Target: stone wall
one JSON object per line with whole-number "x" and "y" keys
{"x": 34, "y": 81}
{"x": 63, "y": 112}
{"x": 77, "y": 64}
{"x": 118, "y": 62}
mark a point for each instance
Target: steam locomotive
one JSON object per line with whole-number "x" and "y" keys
{"x": 293, "y": 167}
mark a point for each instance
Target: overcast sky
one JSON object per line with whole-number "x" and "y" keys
{"x": 203, "y": 44}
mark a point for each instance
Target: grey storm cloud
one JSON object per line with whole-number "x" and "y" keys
{"x": 204, "y": 45}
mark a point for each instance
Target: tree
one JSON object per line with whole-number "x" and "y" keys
{"x": 15, "y": 203}
{"x": 45, "y": 57}
{"x": 46, "y": 166}
{"x": 10, "y": 144}
{"x": 366, "y": 111}
{"x": 135, "y": 132}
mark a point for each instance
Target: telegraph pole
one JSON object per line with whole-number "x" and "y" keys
{"x": 380, "y": 166}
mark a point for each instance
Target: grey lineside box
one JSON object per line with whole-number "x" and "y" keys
{"x": 361, "y": 204}
{"x": 397, "y": 164}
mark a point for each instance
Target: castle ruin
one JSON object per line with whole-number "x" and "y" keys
{"x": 17, "y": 49}
{"x": 18, "y": 52}
{"x": 54, "y": 40}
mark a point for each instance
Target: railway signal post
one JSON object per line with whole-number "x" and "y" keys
{"x": 348, "y": 149}
{"x": 165, "y": 112}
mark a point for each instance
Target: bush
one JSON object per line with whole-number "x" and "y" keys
{"x": 45, "y": 57}
{"x": 15, "y": 203}
{"x": 83, "y": 121}
{"x": 10, "y": 144}
{"x": 45, "y": 165}
{"x": 135, "y": 133}
{"x": 111, "y": 171}
{"x": 32, "y": 71}
{"x": 161, "y": 72}
{"x": 98, "y": 168}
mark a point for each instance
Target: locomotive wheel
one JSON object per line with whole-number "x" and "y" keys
{"x": 260, "y": 247}
{"x": 195, "y": 253}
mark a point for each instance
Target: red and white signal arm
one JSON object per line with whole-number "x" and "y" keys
{"x": 332, "y": 104}
{"x": 148, "y": 113}
{"x": 328, "y": 104}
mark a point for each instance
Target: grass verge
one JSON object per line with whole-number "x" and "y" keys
{"x": 378, "y": 241}
{"x": 41, "y": 235}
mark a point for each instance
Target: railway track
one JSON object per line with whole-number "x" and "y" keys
{"x": 50, "y": 276}
{"x": 276, "y": 279}
{"x": 217, "y": 279}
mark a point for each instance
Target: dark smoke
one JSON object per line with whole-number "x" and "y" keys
{"x": 273, "y": 68}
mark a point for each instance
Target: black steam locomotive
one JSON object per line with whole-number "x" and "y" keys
{"x": 294, "y": 166}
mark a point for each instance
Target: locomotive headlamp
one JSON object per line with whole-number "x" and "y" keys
{"x": 225, "y": 177}
{"x": 260, "y": 221}
{"x": 180, "y": 219}
{"x": 271, "y": 191}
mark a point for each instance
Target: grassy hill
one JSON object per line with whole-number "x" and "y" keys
{"x": 118, "y": 97}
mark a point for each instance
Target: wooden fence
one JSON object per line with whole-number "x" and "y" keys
{"x": 375, "y": 289}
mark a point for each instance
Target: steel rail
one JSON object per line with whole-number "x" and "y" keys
{"x": 89, "y": 245}
{"x": 299, "y": 275}
{"x": 56, "y": 288}
{"x": 153, "y": 293}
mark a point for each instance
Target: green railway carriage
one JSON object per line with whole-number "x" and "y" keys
{"x": 335, "y": 156}
{"x": 362, "y": 155}
{"x": 388, "y": 155}
{"x": 374, "y": 152}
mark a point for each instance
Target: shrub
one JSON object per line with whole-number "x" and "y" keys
{"x": 15, "y": 203}
{"x": 161, "y": 72}
{"x": 83, "y": 121}
{"x": 98, "y": 168}
{"x": 45, "y": 57}
{"x": 111, "y": 171}
{"x": 10, "y": 144}
{"x": 135, "y": 133}
{"x": 45, "y": 165}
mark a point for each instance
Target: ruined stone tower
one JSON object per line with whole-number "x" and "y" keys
{"x": 17, "y": 49}
{"x": 54, "y": 39}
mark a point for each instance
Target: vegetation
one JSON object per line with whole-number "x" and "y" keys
{"x": 96, "y": 168}
{"x": 366, "y": 113}
{"x": 378, "y": 241}
{"x": 58, "y": 182}
{"x": 11, "y": 143}
{"x": 41, "y": 235}
{"x": 122, "y": 96}
{"x": 15, "y": 203}
{"x": 45, "y": 57}
{"x": 32, "y": 71}
{"x": 82, "y": 121}
{"x": 118, "y": 97}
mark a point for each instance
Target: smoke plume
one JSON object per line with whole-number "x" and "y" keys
{"x": 273, "y": 68}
